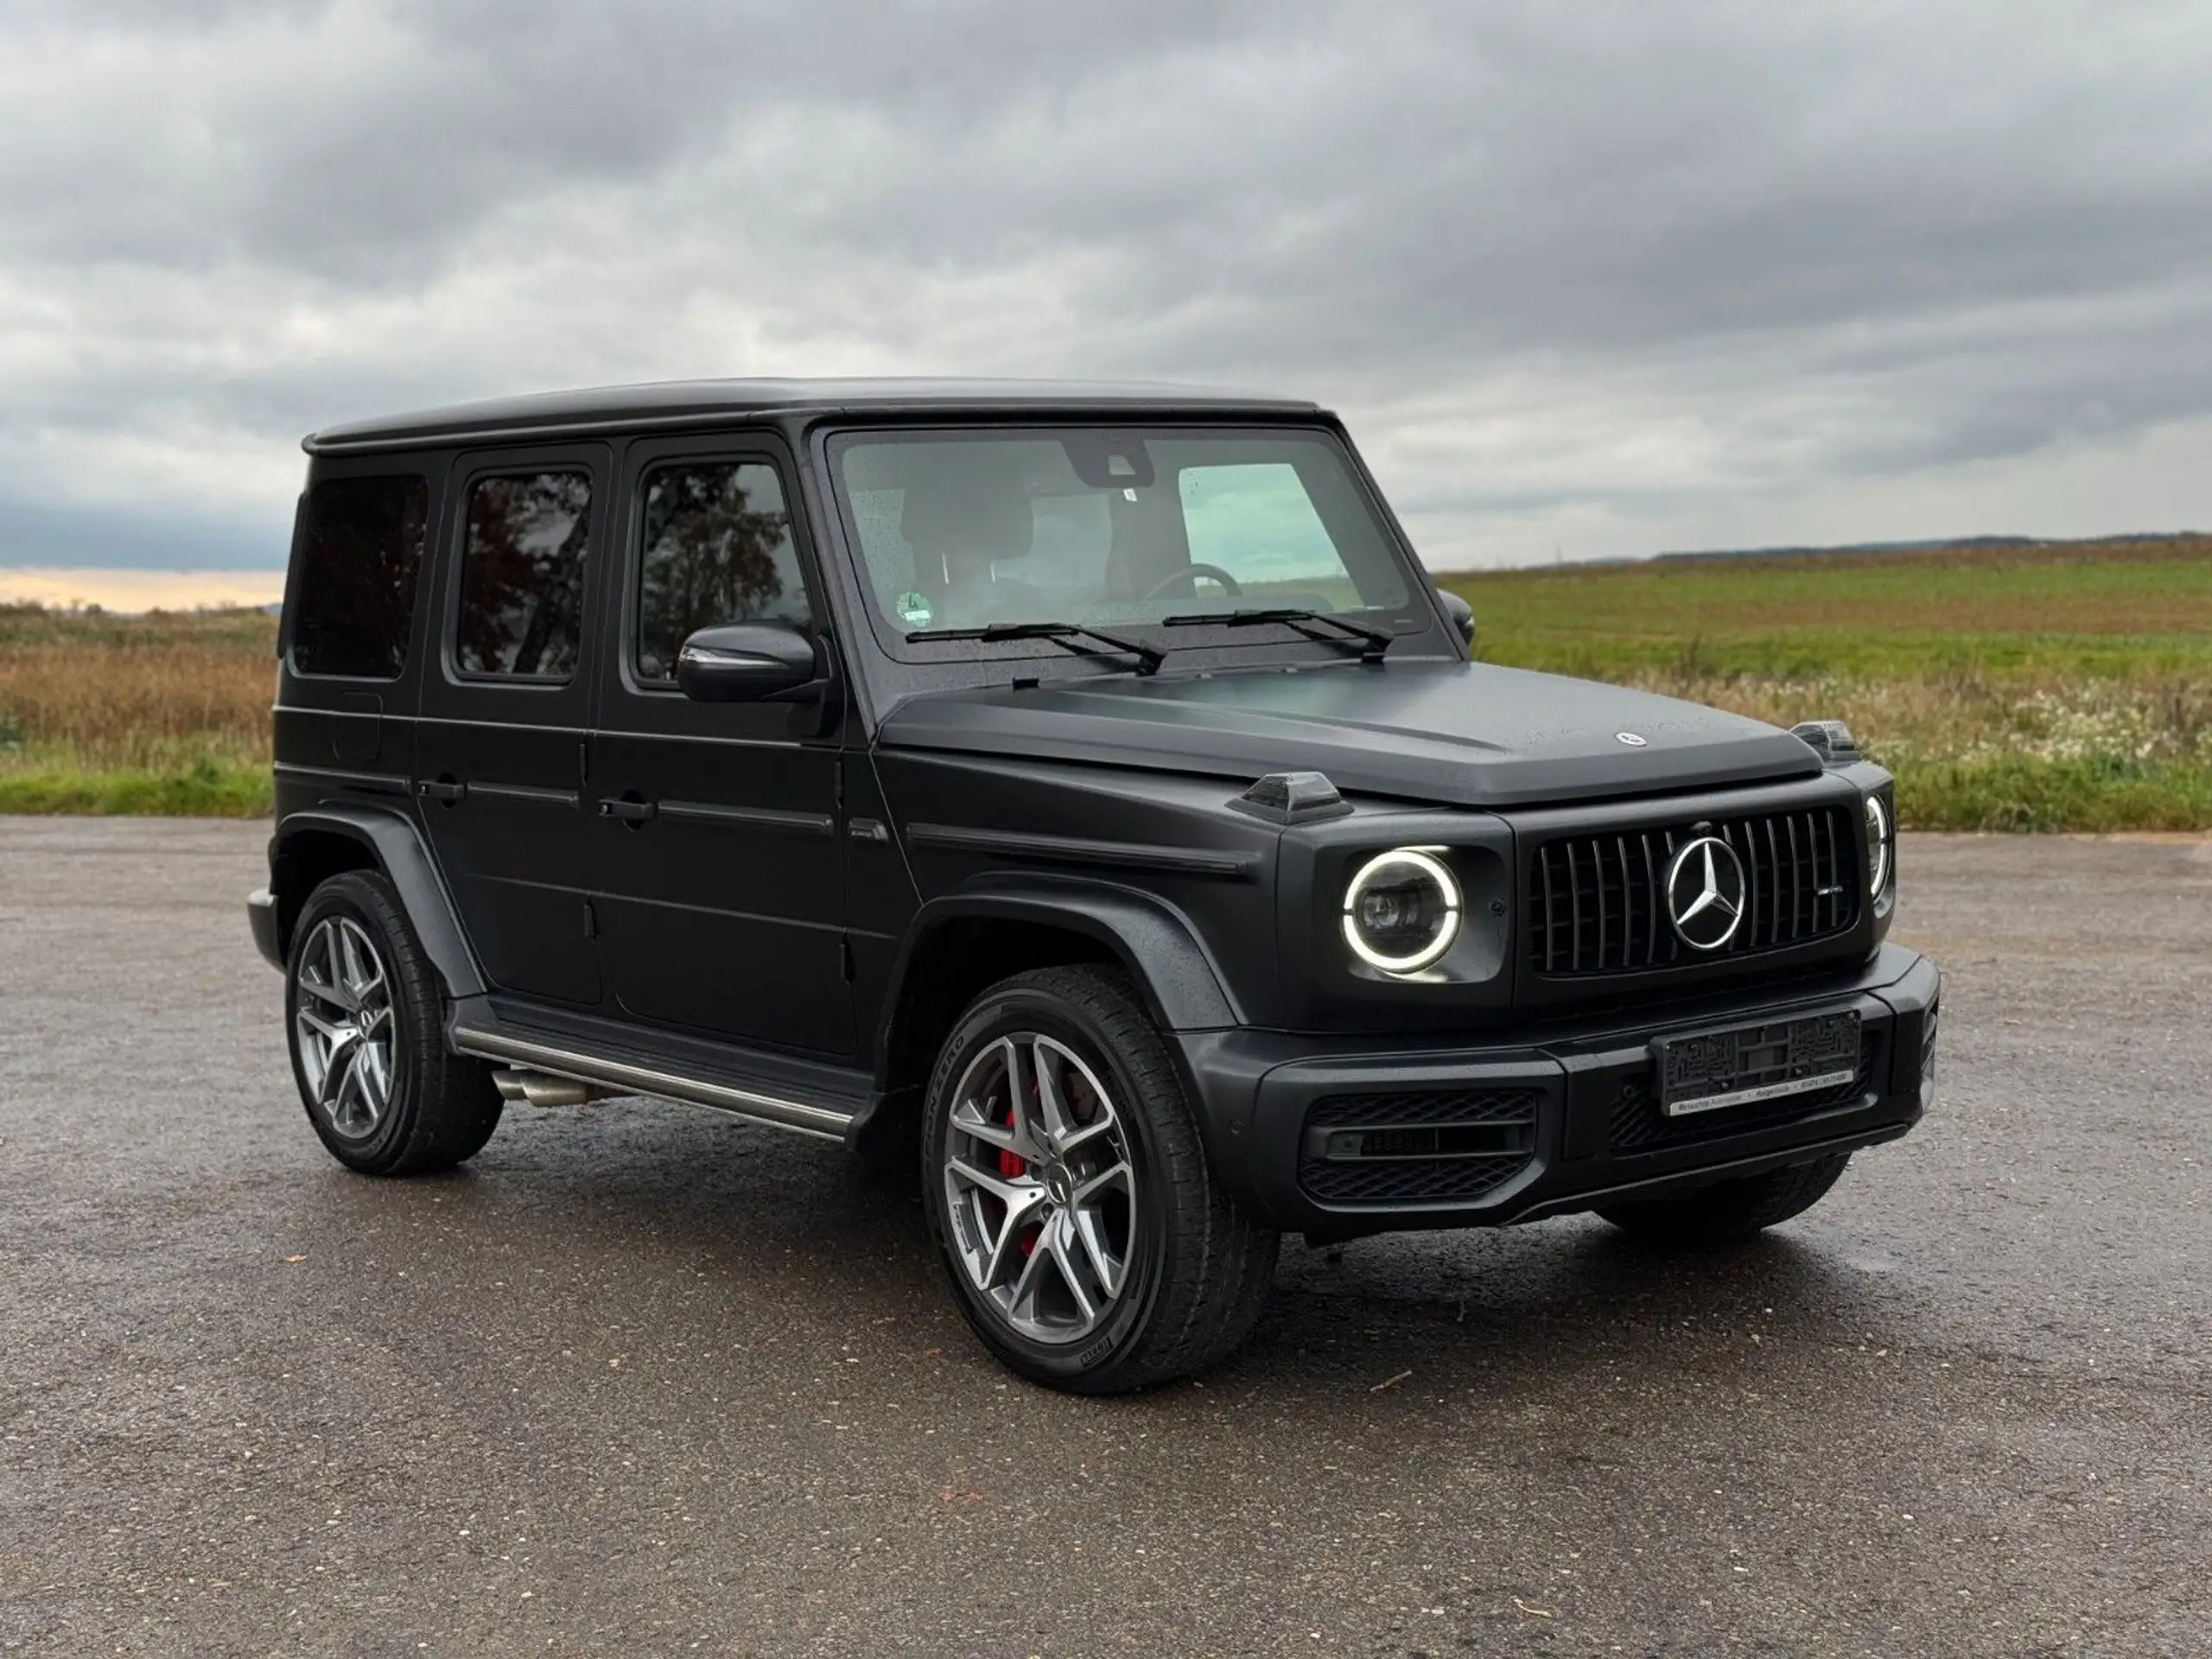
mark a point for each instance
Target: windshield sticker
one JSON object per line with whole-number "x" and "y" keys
{"x": 914, "y": 610}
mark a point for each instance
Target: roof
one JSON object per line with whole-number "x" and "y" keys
{"x": 695, "y": 402}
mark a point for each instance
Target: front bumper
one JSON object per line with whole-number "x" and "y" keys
{"x": 1562, "y": 1120}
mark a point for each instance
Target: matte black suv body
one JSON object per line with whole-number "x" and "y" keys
{"x": 833, "y": 867}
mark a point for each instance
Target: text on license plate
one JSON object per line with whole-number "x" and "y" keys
{"x": 1709, "y": 1070}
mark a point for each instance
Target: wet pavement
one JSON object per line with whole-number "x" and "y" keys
{"x": 645, "y": 1380}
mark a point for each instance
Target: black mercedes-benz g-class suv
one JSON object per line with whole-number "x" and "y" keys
{"x": 1078, "y": 790}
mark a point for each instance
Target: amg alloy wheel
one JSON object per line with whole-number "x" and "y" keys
{"x": 365, "y": 1012}
{"x": 1038, "y": 1178}
{"x": 342, "y": 1028}
{"x": 1084, "y": 1234}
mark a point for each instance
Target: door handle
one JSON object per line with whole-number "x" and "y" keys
{"x": 627, "y": 810}
{"x": 448, "y": 790}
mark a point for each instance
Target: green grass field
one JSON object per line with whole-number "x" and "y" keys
{"x": 2065, "y": 687}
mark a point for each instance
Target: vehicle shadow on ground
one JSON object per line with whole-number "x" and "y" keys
{"x": 623, "y": 1193}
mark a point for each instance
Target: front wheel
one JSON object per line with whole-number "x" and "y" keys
{"x": 1730, "y": 1210}
{"x": 1086, "y": 1238}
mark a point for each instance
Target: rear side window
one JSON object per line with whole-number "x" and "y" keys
{"x": 717, "y": 548}
{"x": 359, "y": 558}
{"x": 522, "y": 575}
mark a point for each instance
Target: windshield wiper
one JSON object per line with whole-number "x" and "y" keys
{"x": 1149, "y": 657}
{"x": 1372, "y": 641}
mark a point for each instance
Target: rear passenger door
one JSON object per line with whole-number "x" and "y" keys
{"x": 718, "y": 861}
{"x": 502, "y": 742}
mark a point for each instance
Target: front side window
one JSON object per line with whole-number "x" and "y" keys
{"x": 361, "y": 552}
{"x": 1113, "y": 527}
{"x": 522, "y": 575}
{"x": 716, "y": 547}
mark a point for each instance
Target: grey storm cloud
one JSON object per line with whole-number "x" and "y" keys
{"x": 1610, "y": 276}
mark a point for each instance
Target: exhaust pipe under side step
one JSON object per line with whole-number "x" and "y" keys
{"x": 544, "y": 1088}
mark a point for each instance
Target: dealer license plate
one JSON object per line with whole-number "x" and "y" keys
{"x": 1709, "y": 1070}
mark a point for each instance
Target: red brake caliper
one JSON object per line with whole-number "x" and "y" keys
{"x": 1013, "y": 1165}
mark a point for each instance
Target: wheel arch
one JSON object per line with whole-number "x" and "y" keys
{"x": 315, "y": 844}
{"x": 959, "y": 944}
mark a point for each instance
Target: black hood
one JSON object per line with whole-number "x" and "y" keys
{"x": 1457, "y": 734}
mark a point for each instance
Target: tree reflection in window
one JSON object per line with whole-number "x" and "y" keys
{"x": 717, "y": 548}
{"x": 522, "y": 575}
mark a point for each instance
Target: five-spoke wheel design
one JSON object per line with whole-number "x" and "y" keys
{"x": 342, "y": 1027}
{"x": 1039, "y": 1187}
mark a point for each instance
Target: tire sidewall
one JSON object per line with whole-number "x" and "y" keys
{"x": 1017, "y": 1008}
{"x": 353, "y": 896}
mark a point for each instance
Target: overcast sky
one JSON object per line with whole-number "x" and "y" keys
{"x": 1586, "y": 279}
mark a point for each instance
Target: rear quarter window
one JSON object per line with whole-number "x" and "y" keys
{"x": 360, "y": 556}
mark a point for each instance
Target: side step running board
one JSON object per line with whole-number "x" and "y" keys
{"x": 623, "y": 1077}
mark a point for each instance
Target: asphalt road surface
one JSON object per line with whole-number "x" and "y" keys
{"x": 646, "y": 1380}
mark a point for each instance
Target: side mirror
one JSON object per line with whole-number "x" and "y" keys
{"x": 745, "y": 662}
{"x": 1461, "y": 612}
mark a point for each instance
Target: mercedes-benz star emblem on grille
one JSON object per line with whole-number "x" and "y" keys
{"x": 1629, "y": 738}
{"x": 1704, "y": 893}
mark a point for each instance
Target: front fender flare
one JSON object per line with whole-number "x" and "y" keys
{"x": 396, "y": 845}
{"x": 1183, "y": 988}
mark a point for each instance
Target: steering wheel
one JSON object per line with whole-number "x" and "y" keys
{"x": 1190, "y": 572}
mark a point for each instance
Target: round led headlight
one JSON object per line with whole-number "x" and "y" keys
{"x": 1401, "y": 912}
{"x": 1877, "y": 846}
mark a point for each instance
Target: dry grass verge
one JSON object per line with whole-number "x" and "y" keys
{"x": 163, "y": 713}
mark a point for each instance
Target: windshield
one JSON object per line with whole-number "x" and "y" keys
{"x": 1110, "y": 526}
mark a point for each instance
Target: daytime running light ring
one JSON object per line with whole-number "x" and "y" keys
{"x": 1432, "y": 868}
{"x": 1879, "y": 845}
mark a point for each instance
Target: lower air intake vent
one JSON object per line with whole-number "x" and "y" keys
{"x": 1416, "y": 1149}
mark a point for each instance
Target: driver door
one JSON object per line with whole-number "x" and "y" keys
{"x": 717, "y": 863}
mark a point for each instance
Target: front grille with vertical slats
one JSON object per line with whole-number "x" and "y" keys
{"x": 1597, "y": 904}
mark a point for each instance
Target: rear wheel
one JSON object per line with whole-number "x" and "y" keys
{"x": 364, "y": 1012}
{"x": 1087, "y": 1240}
{"x": 1730, "y": 1210}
